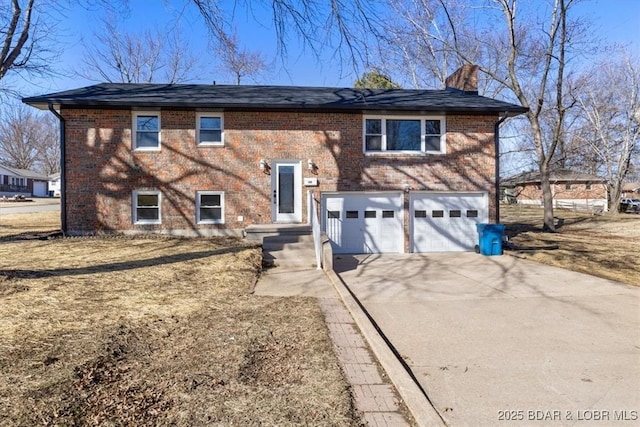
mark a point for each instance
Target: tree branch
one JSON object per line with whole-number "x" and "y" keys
{"x": 9, "y": 54}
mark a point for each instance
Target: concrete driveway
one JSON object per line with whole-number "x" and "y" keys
{"x": 501, "y": 340}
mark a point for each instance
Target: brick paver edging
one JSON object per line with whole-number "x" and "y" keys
{"x": 418, "y": 404}
{"x": 374, "y": 397}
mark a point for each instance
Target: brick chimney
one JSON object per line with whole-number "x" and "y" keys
{"x": 464, "y": 79}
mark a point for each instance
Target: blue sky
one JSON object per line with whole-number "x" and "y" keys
{"x": 616, "y": 20}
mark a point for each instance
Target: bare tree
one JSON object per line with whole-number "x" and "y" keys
{"x": 29, "y": 139}
{"x": 523, "y": 52}
{"x": 413, "y": 40}
{"x": 238, "y": 61}
{"x": 49, "y": 145}
{"x": 131, "y": 58}
{"x": 16, "y": 33}
{"x": 609, "y": 100}
{"x": 348, "y": 28}
{"x": 26, "y": 40}
{"x": 20, "y": 132}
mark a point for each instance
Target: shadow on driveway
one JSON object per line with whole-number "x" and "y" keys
{"x": 485, "y": 335}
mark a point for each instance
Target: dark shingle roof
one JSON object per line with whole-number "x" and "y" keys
{"x": 558, "y": 175}
{"x": 26, "y": 173}
{"x": 116, "y": 95}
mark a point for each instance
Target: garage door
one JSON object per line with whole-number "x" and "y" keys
{"x": 443, "y": 222}
{"x": 359, "y": 222}
{"x": 39, "y": 188}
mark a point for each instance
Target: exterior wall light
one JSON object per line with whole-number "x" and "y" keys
{"x": 312, "y": 166}
{"x": 264, "y": 166}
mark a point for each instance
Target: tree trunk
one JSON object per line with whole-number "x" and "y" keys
{"x": 547, "y": 198}
{"x": 544, "y": 159}
{"x": 615, "y": 192}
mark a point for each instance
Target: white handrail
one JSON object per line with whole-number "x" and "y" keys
{"x": 315, "y": 229}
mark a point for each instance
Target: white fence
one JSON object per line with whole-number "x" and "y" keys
{"x": 315, "y": 229}
{"x": 586, "y": 205}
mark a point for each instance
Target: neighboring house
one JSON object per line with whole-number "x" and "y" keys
{"x": 54, "y": 185}
{"x": 570, "y": 189}
{"x": 631, "y": 190}
{"x": 390, "y": 170}
{"x": 22, "y": 182}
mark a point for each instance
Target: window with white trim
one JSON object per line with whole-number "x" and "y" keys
{"x": 404, "y": 134}
{"x": 147, "y": 207}
{"x": 210, "y": 129}
{"x": 20, "y": 182}
{"x": 146, "y": 130}
{"x": 210, "y": 207}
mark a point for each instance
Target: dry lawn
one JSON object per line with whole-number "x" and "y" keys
{"x": 607, "y": 245}
{"x": 153, "y": 331}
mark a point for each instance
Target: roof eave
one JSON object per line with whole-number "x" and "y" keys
{"x": 43, "y": 104}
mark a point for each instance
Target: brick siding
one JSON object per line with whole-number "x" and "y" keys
{"x": 103, "y": 171}
{"x": 578, "y": 191}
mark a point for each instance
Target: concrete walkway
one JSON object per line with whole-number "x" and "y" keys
{"x": 359, "y": 348}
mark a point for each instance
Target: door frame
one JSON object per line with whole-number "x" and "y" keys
{"x": 296, "y": 216}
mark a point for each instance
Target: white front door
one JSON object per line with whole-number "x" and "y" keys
{"x": 286, "y": 190}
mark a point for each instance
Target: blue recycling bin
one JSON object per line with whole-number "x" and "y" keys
{"x": 490, "y": 238}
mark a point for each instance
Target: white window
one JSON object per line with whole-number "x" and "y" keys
{"x": 210, "y": 207}
{"x": 19, "y": 182}
{"x": 146, "y": 130}
{"x": 210, "y": 129}
{"x": 404, "y": 134}
{"x": 146, "y": 207}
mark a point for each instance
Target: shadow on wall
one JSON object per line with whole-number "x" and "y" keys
{"x": 104, "y": 170}
{"x": 468, "y": 165}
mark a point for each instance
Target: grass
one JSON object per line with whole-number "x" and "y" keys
{"x": 163, "y": 331}
{"x": 602, "y": 245}
{"x": 155, "y": 331}
{"x": 21, "y": 224}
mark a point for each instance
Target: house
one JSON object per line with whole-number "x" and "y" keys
{"x": 631, "y": 190}
{"x": 570, "y": 189}
{"x": 22, "y": 182}
{"x": 388, "y": 170}
{"x": 54, "y": 185}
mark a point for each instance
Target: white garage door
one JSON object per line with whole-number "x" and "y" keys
{"x": 359, "y": 222}
{"x": 444, "y": 222}
{"x": 39, "y": 188}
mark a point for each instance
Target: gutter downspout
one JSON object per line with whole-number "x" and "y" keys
{"x": 63, "y": 174}
{"x": 496, "y": 138}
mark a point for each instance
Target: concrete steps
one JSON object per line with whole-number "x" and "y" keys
{"x": 256, "y": 233}
{"x": 287, "y": 247}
